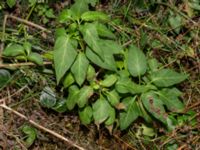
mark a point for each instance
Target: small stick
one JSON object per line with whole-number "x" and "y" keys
{"x": 22, "y": 64}
{"x": 29, "y": 23}
{"x": 41, "y": 127}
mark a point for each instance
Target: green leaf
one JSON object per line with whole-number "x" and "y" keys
{"x": 86, "y": 115}
{"x": 103, "y": 31}
{"x": 79, "y": 68}
{"x": 109, "y": 80}
{"x": 175, "y": 22}
{"x": 148, "y": 131}
{"x": 91, "y": 74}
{"x": 153, "y": 64}
{"x": 101, "y": 109}
{"x": 68, "y": 80}
{"x": 60, "y": 32}
{"x": 64, "y": 56}
{"x": 154, "y": 105}
{"x": 111, "y": 117}
{"x": 143, "y": 113}
{"x": 48, "y": 98}
{"x": 27, "y": 46}
{"x": 90, "y": 36}
{"x": 167, "y": 77}
{"x": 72, "y": 97}
{"x": 126, "y": 85}
{"x": 194, "y": 5}
{"x": 13, "y": 50}
{"x": 60, "y": 106}
{"x": 50, "y": 14}
{"x": 110, "y": 47}
{"x": 65, "y": 15}
{"x": 11, "y": 3}
{"x": 94, "y": 16}
{"x": 113, "y": 97}
{"x": 130, "y": 114}
{"x": 137, "y": 64}
{"x": 79, "y": 7}
{"x": 108, "y": 63}
{"x": 169, "y": 97}
{"x": 31, "y": 135}
{"x": 4, "y": 77}
{"x": 85, "y": 93}
{"x": 36, "y": 58}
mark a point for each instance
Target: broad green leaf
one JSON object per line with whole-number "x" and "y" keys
{"x": 91, "y": 74}
{"x": 143, "y": 113}
{"x": 4, "y": 77}
{"x": 108, "y": 63}
{"x": 27, "y": 46}
{"x": 110, "y": 47}
{"x": 48, "y": 98}
{"x": 79, "y": 7}
{"x": 72, "y": 97}
{"x": 136, "y": 62}
{"x": 153, "y": 64}
{"x": 126, "y": 85}
{"x": 85, "y": 93}
{"x": 169, "y": 97}
{"x": 13, "y": 50}
{"x": 111, "y": 117}
{"x": 60, "y": 32}
{"x": 64, "y": 56}
{"x": 65, "y": 15}
{"x": 36, "y": 58}
{"x": 109, "y": 80}
{"x": 94, "y": 16}
{"x": 60, "y": 106}
{"x": 130, "y": 114}
{"x": 154, "y": 105}
{"x": 113, "y": 97}
{"x": 101, "y": 109}
{"x": 104, "y": 32}
{"x": 68, "y": 80}
{"x": 31, "y": 135}
{"x": 167, "y": 77}
{"x": 79, "y": 68}
{"x": 86, "y": 115}
{"x": 90, "y": 36}
{"x": 11, "y": 3}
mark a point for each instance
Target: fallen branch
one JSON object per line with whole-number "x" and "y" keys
{"x": 41, "y": 127}
{"x": 28, "y": 23}
{"x": 22, "y": 64}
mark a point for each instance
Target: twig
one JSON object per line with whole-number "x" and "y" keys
{"x": 127, "y": 43}
{"x": 29, "y": 23}
{"x": 41, "y": 127}
{"x": 22, "y": 64}
{"x": 3, "y": 37}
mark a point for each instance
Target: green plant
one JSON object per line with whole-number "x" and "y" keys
{"x": 107, "y": 83}
{"x": 44, "y": 12}
{"x": 23, "y": 52}
{"x": 30, "y": 133}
